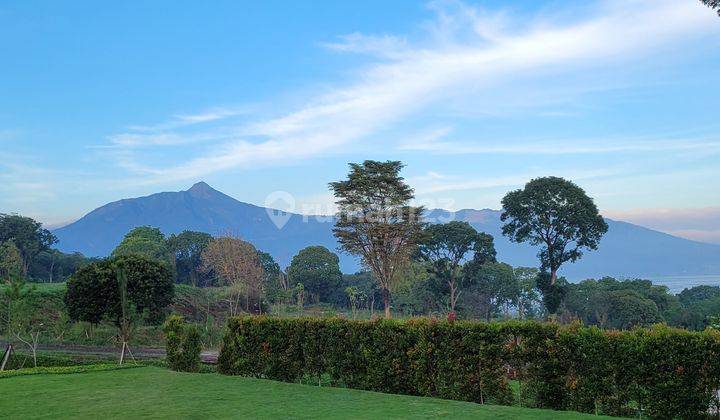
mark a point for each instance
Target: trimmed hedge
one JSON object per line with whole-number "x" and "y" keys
{"x": 663, "y": 372}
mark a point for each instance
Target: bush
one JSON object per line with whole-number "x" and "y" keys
{"x": 664, "y": 372}
{"x": 182, "y": 345}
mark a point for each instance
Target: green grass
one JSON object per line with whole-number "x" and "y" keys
{"x": 159, "y": 393}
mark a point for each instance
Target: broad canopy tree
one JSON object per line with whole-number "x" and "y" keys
{"x": 444, "y": 247}
{"x": 556, "y": 214}
{"x": 376, "y": 221}
{"x": 318, "y": 270}
{"x": 93, "y": 292}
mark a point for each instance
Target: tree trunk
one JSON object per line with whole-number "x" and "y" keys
{"x": 453, "y": 291}
{"x": 386, "y": 302}
{"x": 553, "y": 276}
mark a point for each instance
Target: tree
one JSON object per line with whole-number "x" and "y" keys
{"x": 376, "y": 222}
{"x": 187, "y": 248}
{"x": 713, "y": 4}
{"x": 556, "y": 214}
{"x": 148, "y": 242}
{"x": 528, "y": 293}
{"x": 11, "y": 262}
{"x": 491, "y": 285}
{"x": 355, "y": 296}
{"x": 444, "y": 247}
{"x": 237, "y": 265}
{"x": 318, "y": 270}
{"x": 29, "y": 237}
{"x": 94, "y": 292}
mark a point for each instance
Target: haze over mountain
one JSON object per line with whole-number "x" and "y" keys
{"x": 626, "y": 250}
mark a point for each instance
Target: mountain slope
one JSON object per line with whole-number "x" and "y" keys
{"x": 626, "y": 250}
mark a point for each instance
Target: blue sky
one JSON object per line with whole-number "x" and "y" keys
{"x": 101, "y": 102}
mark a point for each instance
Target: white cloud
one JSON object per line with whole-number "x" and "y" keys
{"x": 491, "y": 53}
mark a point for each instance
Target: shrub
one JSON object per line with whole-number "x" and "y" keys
{"x": 664, "y": 372}
{"x": 182, "y": 345}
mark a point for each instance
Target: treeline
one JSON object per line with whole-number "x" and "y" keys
{"x": 25, "y": 250}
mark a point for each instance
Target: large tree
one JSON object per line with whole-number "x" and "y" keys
{"x": 318, "y": 270}
{"x": 237, "y": 265}
{"x": 444, "y": 247}
{"x": 94, "y": 291}
{"x": 187, "y": 247}
{"x": 376, "y": 221}
{"x": 556, "y": 214}
{"x": 29, "y": 237}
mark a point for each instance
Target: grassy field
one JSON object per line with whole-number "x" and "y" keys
{"x": 160, "y": 393}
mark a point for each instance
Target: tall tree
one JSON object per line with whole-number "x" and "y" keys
{"x": 29, "y": 237}
{"x": 491, "y": 286}
{"x": 318, "y": 270}
{"x": 444, "y": 247}
{"x": 376, "y": 221}
{"x": 237, "y": 265}
{"x": 556, "y": 214}
{"x": 187, "y": 247}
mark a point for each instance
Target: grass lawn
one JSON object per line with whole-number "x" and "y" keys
{"x": 160, "y": 393}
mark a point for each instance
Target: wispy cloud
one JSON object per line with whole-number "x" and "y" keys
{"x": 467, "y": 55}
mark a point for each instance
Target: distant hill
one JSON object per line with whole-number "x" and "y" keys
{"x": 626, "y": 250}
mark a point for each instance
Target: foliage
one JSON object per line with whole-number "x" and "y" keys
{"x": 556, "y": 214}
{"x": 236, "y": 264}
{"x": 664, "y": 372}
{"x": 93, "y": 292}
{"x": 376, "y": 222}
{"x": 11, "y": 262}
{"x": 148, "y": 242}
{"x": 55, "y": 266}
{"x": 182, "y": 345}
{"x": 29, "y": 237}
{"x": 187, "y": 248}
{"x": 492, "y": 286}
{"x": 444, "y": 246}
{"x": 318, "y": 270}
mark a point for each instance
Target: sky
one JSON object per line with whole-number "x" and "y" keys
{"x": 101, "y": 101}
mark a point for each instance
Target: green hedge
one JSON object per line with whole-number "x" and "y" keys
{"x": 662, "y": 372}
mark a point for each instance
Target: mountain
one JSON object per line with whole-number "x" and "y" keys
{"x": 626, "y": 250}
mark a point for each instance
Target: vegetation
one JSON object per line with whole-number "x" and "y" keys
{"x": 183, "y": 345}
{"x": 376, "y": 222}
{"x": 160, "y": 393}
{"x": 559, "y": 216}
{"x": 318, "y": 270}
{"x": 661, "y": 372}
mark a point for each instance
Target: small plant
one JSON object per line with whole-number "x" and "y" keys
{"x": 183, "y": 345}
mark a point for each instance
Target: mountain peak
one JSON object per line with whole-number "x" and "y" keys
{"x": 202, "y": 188}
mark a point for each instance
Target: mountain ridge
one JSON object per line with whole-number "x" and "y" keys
{"x": 626, "y": 250}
